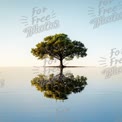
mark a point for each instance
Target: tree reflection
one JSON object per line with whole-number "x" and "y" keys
{"x": 59, "y": 86}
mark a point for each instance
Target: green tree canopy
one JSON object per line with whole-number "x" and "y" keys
{"x": 59, "y": 46}
{"x": 59, "y": 86}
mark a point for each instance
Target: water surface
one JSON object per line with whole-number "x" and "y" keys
{"x": 99, "y": 101}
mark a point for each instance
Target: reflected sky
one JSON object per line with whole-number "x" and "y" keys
{"x": 100, "y": 101}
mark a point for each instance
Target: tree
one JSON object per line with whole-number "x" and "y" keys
{"x": 59, "y": 46}
{"x": 59, "y": 86}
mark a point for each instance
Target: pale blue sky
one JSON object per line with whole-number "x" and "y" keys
{"x": 74, "y": 21}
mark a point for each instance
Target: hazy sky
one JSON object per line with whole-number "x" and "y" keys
{"x": 74, "y": 18}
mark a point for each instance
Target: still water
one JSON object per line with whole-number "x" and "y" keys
{"x": 89, "y": 97}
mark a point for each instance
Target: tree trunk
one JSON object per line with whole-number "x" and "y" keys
{"x": 61, "y": 71}
{"x": 61, "y": 63}
{"x": 61, "y": 76}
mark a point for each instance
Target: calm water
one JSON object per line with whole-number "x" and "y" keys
{"x": 20, "y": 101}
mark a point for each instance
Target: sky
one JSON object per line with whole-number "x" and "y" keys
{"x": 74, "y": 17}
